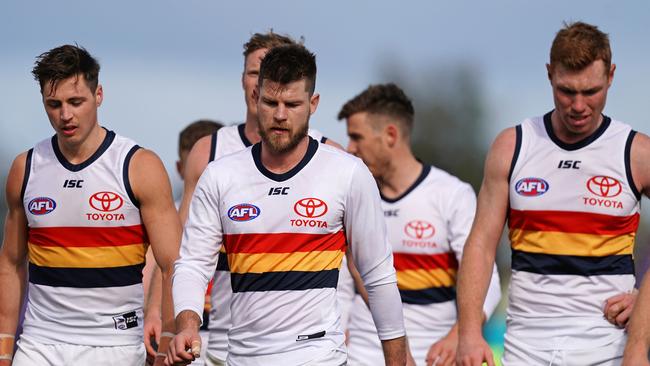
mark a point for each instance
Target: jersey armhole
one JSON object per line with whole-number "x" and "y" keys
{"x": 628, "y": 165}
{"x": 28, "y": 169}
{"x": 125, "y": 175}
{"x": 323, "y": 140}
{"x": 213, "y": 147}
{"x": 515, "y": 155}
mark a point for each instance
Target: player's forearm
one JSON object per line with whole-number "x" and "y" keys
{"x": 153, "y": 303}
{"x": 473, "y": 280}
{"x": 386, "y": 309}
{"x": 639, "y": 327}
{"x": 167, "y": 308}
{"x": 12, "y": 283}
{"x": 188, "y": 319}
{"x": 394, "y": 351}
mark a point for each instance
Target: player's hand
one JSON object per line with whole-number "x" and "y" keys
{"x": 635, "y": 355}
{"x": 184, "y": 348}
{"x": 443, "y": 352}
{"x": 152, "y": 330}
{"x": 473, "y": 351}
{"x": 619, "y": 308}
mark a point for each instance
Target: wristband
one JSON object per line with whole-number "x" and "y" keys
{"x": 167, "y": 335}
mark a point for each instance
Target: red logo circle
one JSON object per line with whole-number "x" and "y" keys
{"x": 604, "y": 186}
{"x": 106, "y": 201}
{"x": 310, "y": 207}
{"x": 419, "y": 229}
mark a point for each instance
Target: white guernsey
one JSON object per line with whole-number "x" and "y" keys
{"x": 286, "y": 235}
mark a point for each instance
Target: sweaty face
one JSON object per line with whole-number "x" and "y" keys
{"x": 367, "y": 143}
{"x": 579, "y": 98}
{"x": 249, "y": 78}
{"x": 283, "y": 112}
{"x": 71, "y": 108}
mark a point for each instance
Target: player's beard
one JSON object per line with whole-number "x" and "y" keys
{"x": 277, "y": 144}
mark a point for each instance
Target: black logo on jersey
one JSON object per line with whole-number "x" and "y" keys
{"x": 126, "y": 321}
{"x": 569, "y": 164}
{"x": 391, "y": 213}
{"x": 278, "y": 191}
{"x": 72, "y": 183}
{"x": 304, "y": 337}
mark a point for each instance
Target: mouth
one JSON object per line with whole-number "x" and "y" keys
{"x": 279, "y": 130}
{"x": 69, "y": 130}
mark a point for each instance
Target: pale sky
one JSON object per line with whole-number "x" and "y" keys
{"x": 167, "y": 63}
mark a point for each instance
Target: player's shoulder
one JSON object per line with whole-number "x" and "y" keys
{"x": 339, "y": 155}
{"x": 443, "y": 181}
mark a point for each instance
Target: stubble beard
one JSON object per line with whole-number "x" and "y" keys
{"x": 278, "y": 145}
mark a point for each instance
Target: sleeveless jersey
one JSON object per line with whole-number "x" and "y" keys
{"x": 427, "y": 227}
{"x": 573, "y": 215}
{"x": 225, "y": 141}
{"x": 285, "y": 237}
{"x": 86, "y": 246}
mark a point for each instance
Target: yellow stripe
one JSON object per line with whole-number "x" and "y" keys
{"x": 419, "y": 279}
{"x": 559, "y": 243}
{"x": 87, "y": 257}
{"x": 283, "y": 262}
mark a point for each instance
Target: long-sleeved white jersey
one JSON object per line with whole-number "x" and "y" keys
{"x": 427, "y": 227}
{"x": 285, "y": 236}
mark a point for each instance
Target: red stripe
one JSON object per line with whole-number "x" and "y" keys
{"x": 283, "y": 242}
{"x": 87, "y": 236}
{"x": 404, "y": 261}
{"x": 573, "y": 222}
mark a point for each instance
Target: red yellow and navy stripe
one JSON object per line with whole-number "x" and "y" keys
{"x": 284, "y": 261}
{"x": 425, "y": 278}
{"x": 578, "y": 243}
{"x": 87, "y": 257}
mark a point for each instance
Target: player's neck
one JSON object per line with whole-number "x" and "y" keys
{"x": 280, "y": 163}
{"x": 77, "y": 153}
{"x": 403, "y": 171}
{"x": 251, "y": 129}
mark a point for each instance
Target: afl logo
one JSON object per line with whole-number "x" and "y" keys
{"x": 531, "y": 187}
{"x": 419, "y": 229}
{"x": 310, "y": 207}
{"x": 41, "y": 206}
{"x": 105, "y": 201}
{"x": 603, "y": 186}
{"x": 243, "y": 212}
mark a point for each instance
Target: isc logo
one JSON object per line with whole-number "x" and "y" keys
{"x": 41, "y": 205}
{"x": 243, "y": 212}
{"x": 530, "y": 187}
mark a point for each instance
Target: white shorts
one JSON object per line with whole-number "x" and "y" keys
{"x": 518, "y": 353}
{"x": 31, "y": 353}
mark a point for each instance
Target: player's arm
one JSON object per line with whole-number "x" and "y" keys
{"x": 619, "y": 307}
{"x": 477, "y": 265}
{"x": 151, "y": 187}
{"x": 372, "y": 254}
{"x": 197, "y": 160}
{"x": 13, "y": 260}
{"x": 202, "y": 237}
{"x": 638, "y": 331}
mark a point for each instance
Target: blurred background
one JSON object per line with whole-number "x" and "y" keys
{"x": 472, "y": 69}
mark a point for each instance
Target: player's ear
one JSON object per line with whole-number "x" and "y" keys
{"x": 391, "y": 134}
{"x": 99, "y": 95}
{"x": 313, "y": 103}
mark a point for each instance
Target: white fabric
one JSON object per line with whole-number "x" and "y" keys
{"x": 267, "y": 325}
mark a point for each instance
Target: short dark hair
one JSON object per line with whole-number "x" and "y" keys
{"x": 194, "y": 131}
{"x": 267, "y": 40}
{"x": 286, "y": 64}
{"x": 579, "y": 44}
{"x": 382, "y": 99}
{"x": 63, "y": 62}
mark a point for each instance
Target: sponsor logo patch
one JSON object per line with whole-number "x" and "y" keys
{"x": 126, "y": 321}
{"x": 310, "y": 208}
{"x": 243, "y": 212}
{"x": 106, "y": 201}
{"x": 41, "y": 205}
{"x": 418, "y": 231}
{"x": 604, "y": 186}
{"x": 531, "y": 187}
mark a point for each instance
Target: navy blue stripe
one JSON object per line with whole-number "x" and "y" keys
{"x": 28, "y": 169}
{"x": 125, "y": 176}
{"x": 323, "y": 140}
{"x": 257, "y": 158}
{"x": 572, "y": 264}
{"x": 242, "y": 134}
{"x": 284, "y": 281}
{"x": 85, "y": 277}
{"x": 515, "y": 155}
{"x": 423, "y": 174}
{"x": 222, "y": 262}
{"x": 576, "y": 145}
{"x": 628, "y": 165}
{"x": 428, "y": 296}
{"x": 213, "y": 146}
{"x": 108, "y": 140}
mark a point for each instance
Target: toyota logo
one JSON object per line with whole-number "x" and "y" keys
{"x": 310, "y": 207}
{"x": 419, "y": 229}
{"x": 106, "y": 201}
{"x": 603, "y": 186}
